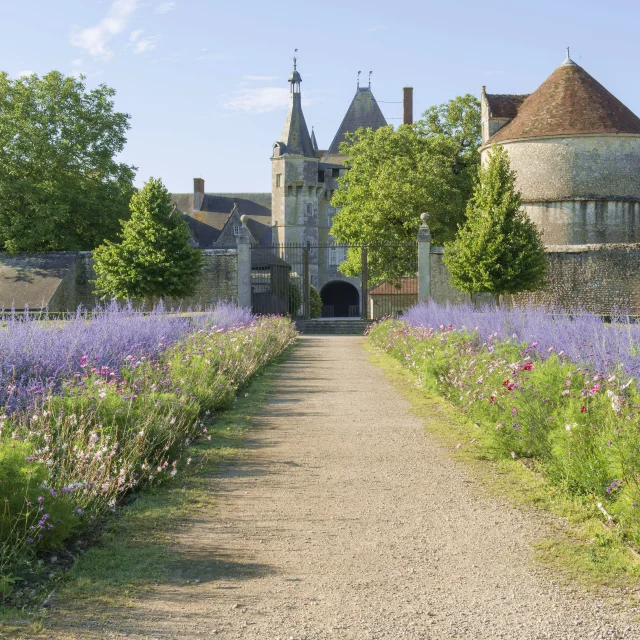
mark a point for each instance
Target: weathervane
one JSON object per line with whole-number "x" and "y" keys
{"x": 359, "y": 72}
{"x": 568, "y": 56}
{"x": 295, "y": 59}
{"x": 370, "y": 72}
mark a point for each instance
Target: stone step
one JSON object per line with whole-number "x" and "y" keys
{"x": 333, "y": 327}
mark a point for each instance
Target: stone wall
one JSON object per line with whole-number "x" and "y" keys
{"x": 586, "y": 221}
{"x": 554, "y": 168}
{"x": 64, "y": 281}
{"x": 598, "y": 278}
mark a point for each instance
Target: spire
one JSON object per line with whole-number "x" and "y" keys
{"x": 295, "y": 134}
{"x": 314, "y": 142}
{"x": 568, "y": 61}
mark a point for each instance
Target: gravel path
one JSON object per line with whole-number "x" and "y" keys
{"x": 346, "y": 521}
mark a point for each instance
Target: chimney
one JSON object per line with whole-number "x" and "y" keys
{"x": 407, "y": 105}
{"x": 198, "y": 193}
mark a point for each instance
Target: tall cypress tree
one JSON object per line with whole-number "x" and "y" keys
{"x": 154, "y": 257}
{"x": 498, "y": 250}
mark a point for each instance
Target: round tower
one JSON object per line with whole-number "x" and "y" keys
{"x": 576, "y": 152}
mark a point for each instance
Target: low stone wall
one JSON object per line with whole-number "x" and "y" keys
{"x": 598, "y": 278}
{"x": 63, "y": 281}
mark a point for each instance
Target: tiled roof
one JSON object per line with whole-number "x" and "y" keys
{"x": 363, "y": 112}
{"x": 504, "y": 105}
{"x": 569, "y": 102}
{"x": 408, "y": 286}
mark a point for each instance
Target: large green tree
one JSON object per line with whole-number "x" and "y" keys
{"x": 61, "y": 187}
{"x": 395, "y": 175}
{"x": 498, "y": 250}
{"x": 154, "y": 257}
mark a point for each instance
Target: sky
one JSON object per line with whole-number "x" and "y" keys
{"x": 205, "y": 82}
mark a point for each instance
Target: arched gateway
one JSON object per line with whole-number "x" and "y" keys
{"x": 340, "y": 300}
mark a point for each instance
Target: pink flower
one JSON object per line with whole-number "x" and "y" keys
{"x": 514, "y": 411}
{"x": 583, "y": 409}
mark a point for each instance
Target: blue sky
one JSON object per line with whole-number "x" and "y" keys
{"x": 205, "y": 82}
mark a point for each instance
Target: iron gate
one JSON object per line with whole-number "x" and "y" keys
{"x": 305, "y": 280}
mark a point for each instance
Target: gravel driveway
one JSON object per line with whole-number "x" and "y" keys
{"x": 346, "y": 521}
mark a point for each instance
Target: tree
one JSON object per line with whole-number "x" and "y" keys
{"x": 315, "y": 303}
{"x": 153, "y": 257}
{"x": 60, "y": 185}
{"x": 395, "y": 175}
{"x": 498, "y": 250}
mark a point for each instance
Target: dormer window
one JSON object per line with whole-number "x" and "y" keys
{"x": 236, "y": 229}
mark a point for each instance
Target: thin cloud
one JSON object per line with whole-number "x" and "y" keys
{"x": 145, "y": 45}
{"x": 375, "y": 27}
{"x": 25, "y": 73}
{"x": 259, "y": 100}
{"x": 77, "y": 62}
{"x": 134, "y": 35}
{"x": 165, "y": 7}
{"x": 94, "y": 40}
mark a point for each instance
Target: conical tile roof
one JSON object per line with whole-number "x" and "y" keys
{"x": 569, "y": 102}
{"x": 363, "y": 112}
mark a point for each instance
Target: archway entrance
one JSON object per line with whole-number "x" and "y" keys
{"x": 340, "y": 300}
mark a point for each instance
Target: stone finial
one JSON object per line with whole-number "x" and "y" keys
{"x": 424, "y": 233}
{"x": 243, "y": 219}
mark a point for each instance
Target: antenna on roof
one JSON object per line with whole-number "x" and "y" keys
{"x": 359, "y": 72}
{"x": 370, "y": 72}
{"x": 295, "y": 59}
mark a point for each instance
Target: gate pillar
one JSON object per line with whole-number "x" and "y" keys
{"x": 424, "y": 266}
{"x": 243, "y": 245}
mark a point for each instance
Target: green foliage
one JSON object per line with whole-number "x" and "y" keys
{"x": 394, "y": 176}
{"x": 154, "y": 257}
{"x": 315, "y": 303}
{"x": 60, "y": 185}
{"x": 498, "y": 250}
{"x": 294, "y": 300}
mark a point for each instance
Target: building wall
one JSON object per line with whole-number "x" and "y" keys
{"x": 598, "y": 278}
{"x": 586, "y": 221}
{"x": 597, "y": 167}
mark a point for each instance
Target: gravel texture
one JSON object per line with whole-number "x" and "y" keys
{"x": 346, "y": 521}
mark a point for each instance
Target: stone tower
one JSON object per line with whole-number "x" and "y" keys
{"x": 294, "y": 176}
{"x": 575, "y": 149}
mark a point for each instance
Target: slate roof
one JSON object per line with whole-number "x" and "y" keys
{"x": 207, "y": 223}
{"x": 363, "y": 112}
{"x": 32, "y": 280}
{"x": 504, "y": 105}
{"x": 295, "y": 134}
{"x": 569, "y": 102}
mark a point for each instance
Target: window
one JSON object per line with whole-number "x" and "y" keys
{"x": 278, "y": 179}
{"x": 289, "y": 190}
{"x": 333, "y": 258}
{"x": 321, "y": 175}
{"x": 236, "y": 229}
{"x": 335, "y": 173}
{"x": 309, "y": 209}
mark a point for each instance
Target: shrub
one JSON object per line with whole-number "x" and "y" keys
{"x": 315, "y": 303}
